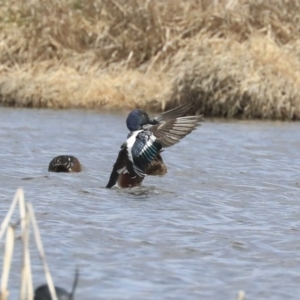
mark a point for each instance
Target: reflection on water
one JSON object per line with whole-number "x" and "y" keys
{"x": 226, "y": 216}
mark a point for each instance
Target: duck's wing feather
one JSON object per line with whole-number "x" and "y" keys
{"x": 170, "y": 132}
{"x": 144, "y": 150}
{"x": 177, "y": 112}
{"x": 120, "y": 164}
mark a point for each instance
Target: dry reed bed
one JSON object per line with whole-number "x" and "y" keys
{"x": 237, "y": 58}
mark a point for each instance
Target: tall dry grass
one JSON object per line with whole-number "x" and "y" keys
{"x": 237, "y": 58}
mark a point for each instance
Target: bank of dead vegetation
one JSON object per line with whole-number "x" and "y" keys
{"x": 235, "y": 58}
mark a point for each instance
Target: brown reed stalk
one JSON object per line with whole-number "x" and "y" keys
{"x": 26, "y": 291}
{"x": 10, "y": 212}
{"x": 23, "y": 288}
{"x": 241, "y": 295}
{"x": 26, "y": 216}
{"x": 40, "y": 248}
{"x": 9, "y": 248}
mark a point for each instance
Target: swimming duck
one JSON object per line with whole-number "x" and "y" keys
{"x": 43, "y": 293}
{"x": 64, "y": 163}
{"x": 140, "y": 154}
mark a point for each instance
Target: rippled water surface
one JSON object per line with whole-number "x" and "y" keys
{"x": 225, "y": 218}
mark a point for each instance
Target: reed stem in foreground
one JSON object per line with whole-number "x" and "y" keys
{"x": 9, "y": 249}
{"x": 27, "y": 217}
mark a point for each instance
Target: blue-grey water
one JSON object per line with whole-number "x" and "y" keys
{"x": 225, "y": 218}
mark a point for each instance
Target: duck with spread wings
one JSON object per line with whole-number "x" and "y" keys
{"x": 140, "y": 154}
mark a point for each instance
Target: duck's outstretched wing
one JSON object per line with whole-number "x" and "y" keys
{"x": 177, "y": 112}
{"x": 170, "y": 132}
{"x": 175, "y": 124}
{"x": 119, "y": 166}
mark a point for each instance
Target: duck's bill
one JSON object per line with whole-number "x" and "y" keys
{"x": 152, "y": 121}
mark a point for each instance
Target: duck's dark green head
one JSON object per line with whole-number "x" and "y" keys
{"x": 137, "y": 119}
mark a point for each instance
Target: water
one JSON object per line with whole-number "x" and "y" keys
{"x": 225, "y": 218}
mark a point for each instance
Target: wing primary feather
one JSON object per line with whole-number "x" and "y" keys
{"x": 170, "y": 132}
{"x": 176, "y": 112}
{"x": 120, "y": 165}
